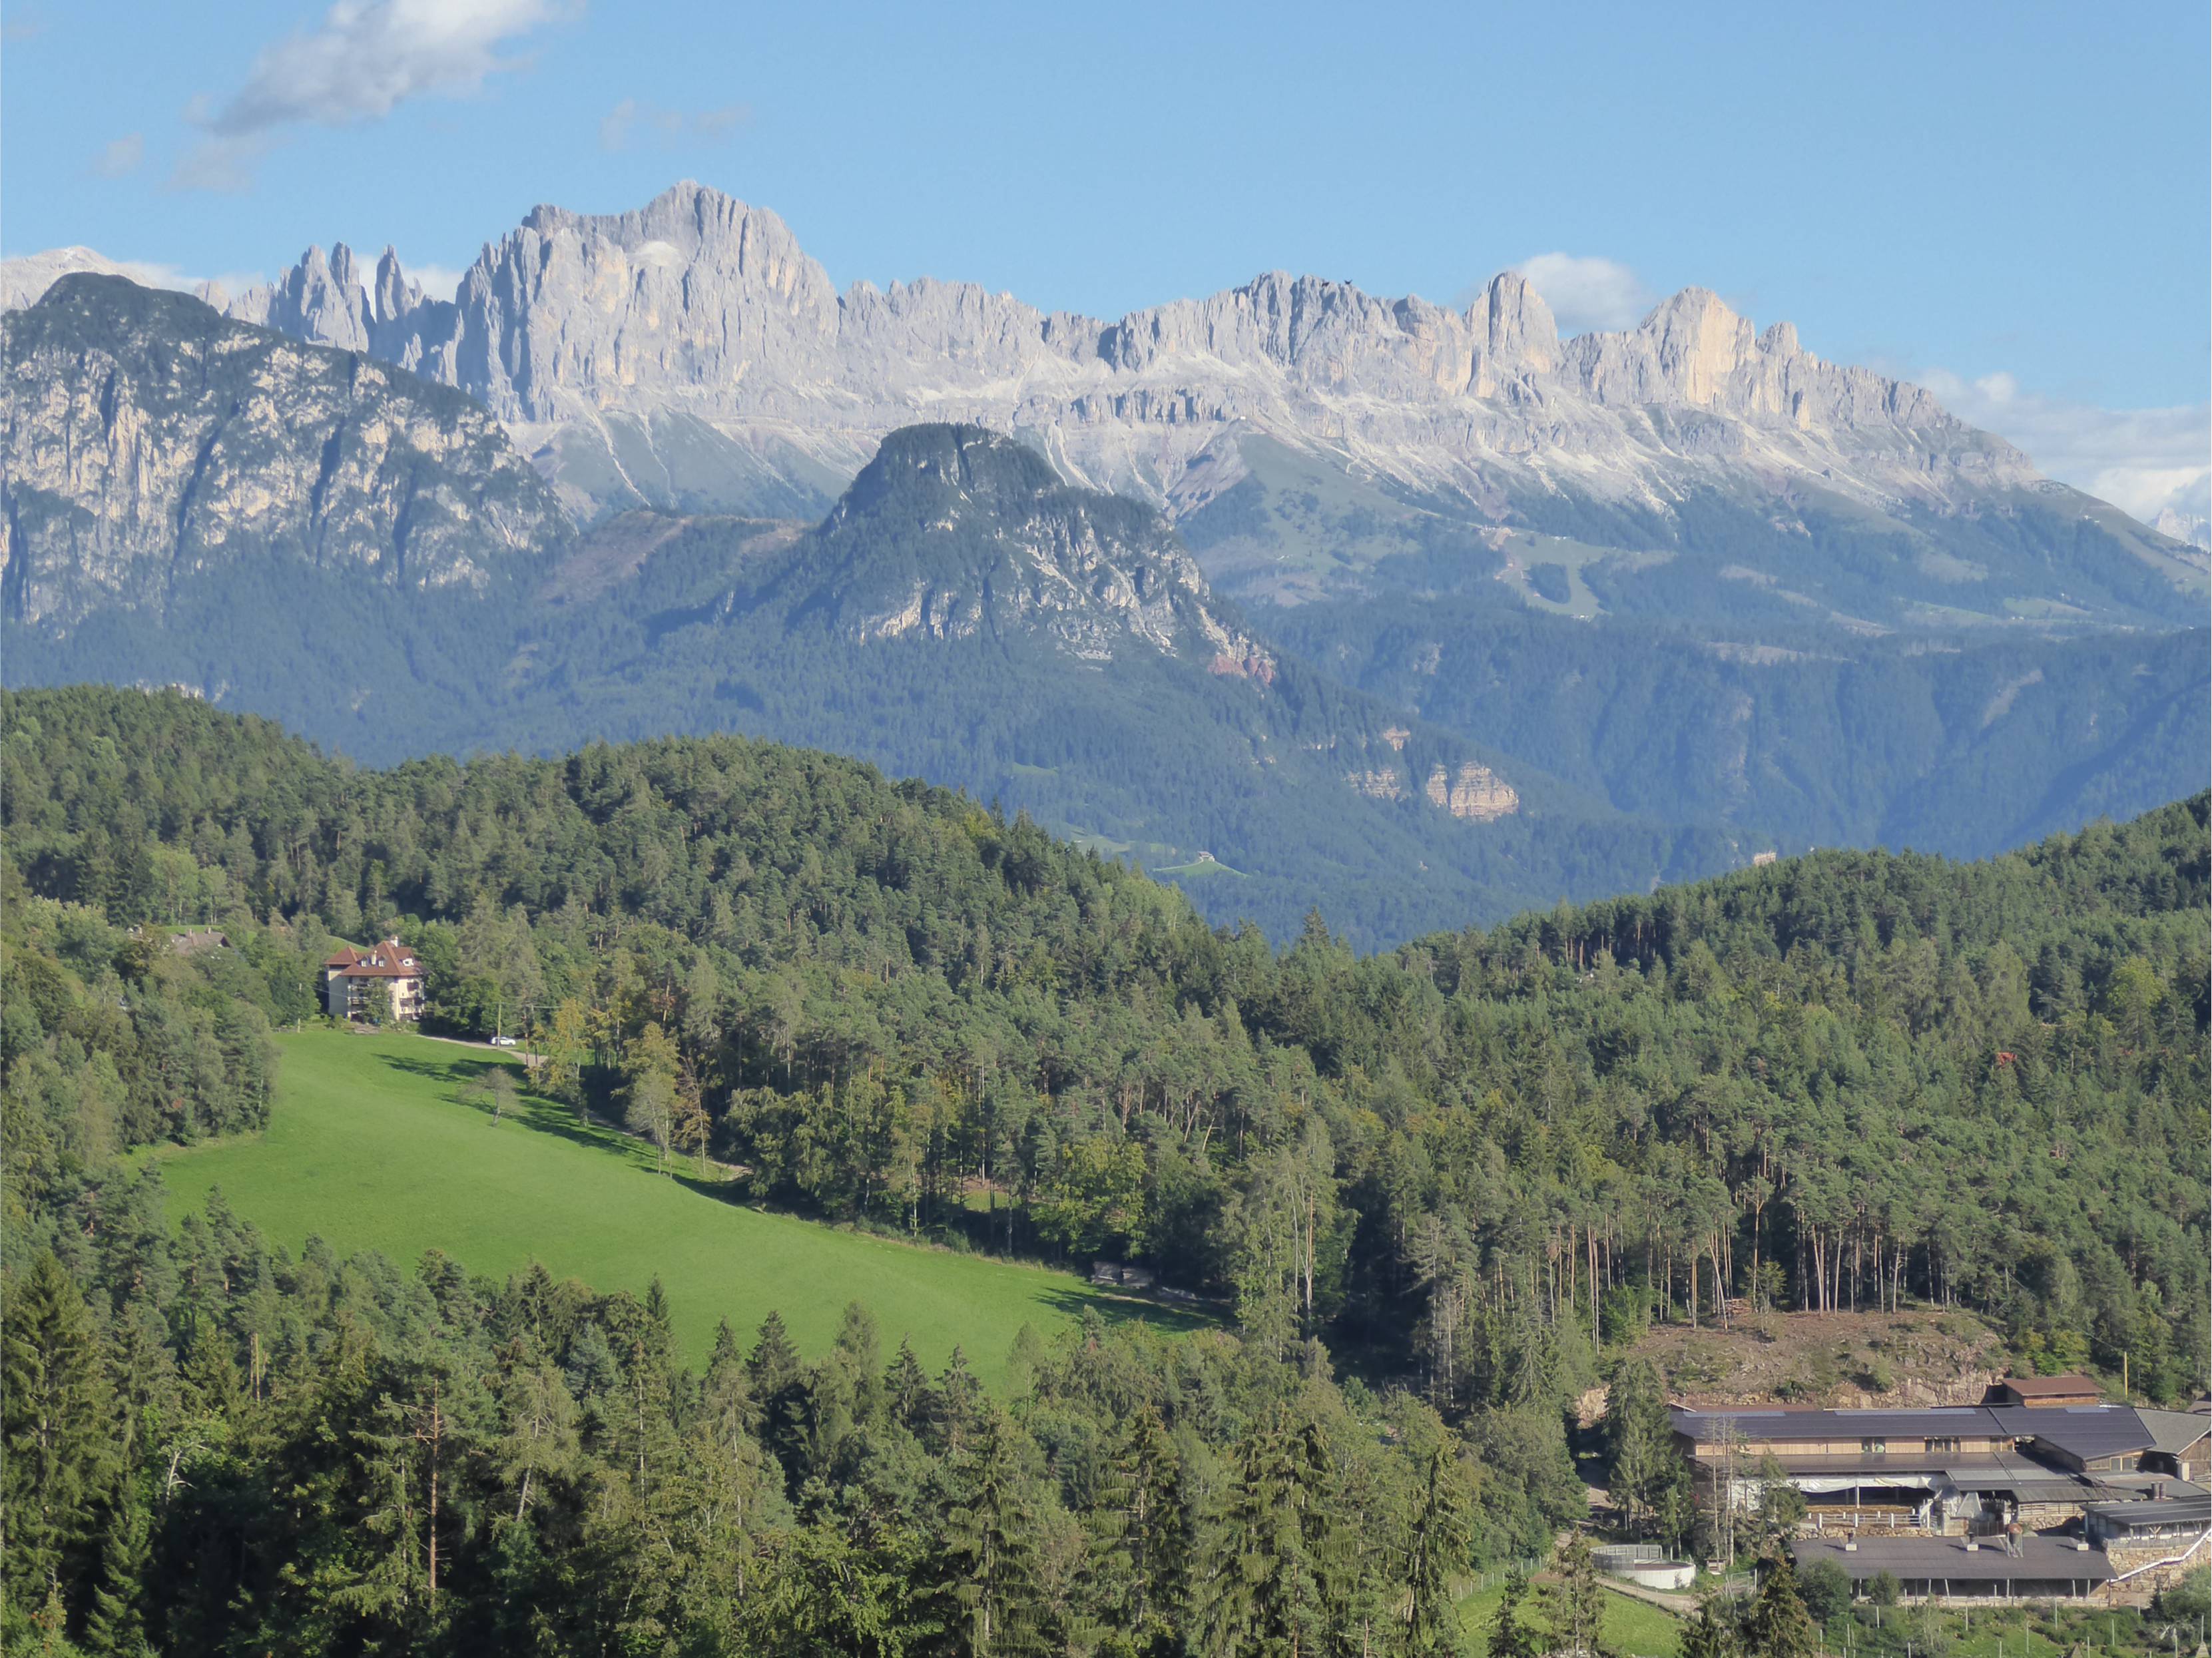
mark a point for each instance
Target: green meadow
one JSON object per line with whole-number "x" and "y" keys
{"x": 1633, "y": 1627}
{"x": 372, "y": 1145}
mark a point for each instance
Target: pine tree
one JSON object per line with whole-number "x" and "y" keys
{"x": 991, "y": 1549}
{"x": 1780, "y": 1626}
{"x": 116, "y": 1625}
{"x": 56, "y": 1431}
{"x": 1440, "y": 1546}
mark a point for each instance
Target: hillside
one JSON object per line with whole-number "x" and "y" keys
{"x": 1486, "y": 1172}
{"x": 375, "y": 1145}
{"x": 885, "y": 999}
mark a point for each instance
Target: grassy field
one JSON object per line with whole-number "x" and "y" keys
{"x": 372, "y": 1147}
{"x": 1634, "y": 1627}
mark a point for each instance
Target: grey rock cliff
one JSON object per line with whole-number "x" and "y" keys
{"x": 147, "y": 439}
{"x": 606, "y": 340}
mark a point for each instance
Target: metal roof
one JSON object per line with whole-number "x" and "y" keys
{"x": 2174, "y": 1431}
{"x": 2169, "y": 1511}
{"x": 1947, "y": 1559}
{"x": 2082, "y": 1430}
{"x": 1954, "y": 1421}
{"x": 2087, "y": 1431}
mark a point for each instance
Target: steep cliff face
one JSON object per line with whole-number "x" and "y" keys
{"x": 691, "y": 356}
{"x": 952, "y": 532}
{"x": 147, "y": 439}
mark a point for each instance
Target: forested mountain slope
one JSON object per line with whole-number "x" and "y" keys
{"x": 1474, "y": 1166}
{"x": 312, "y": 535}
{"x": 1793, "y": 740}
{"x": 880, "y": 992}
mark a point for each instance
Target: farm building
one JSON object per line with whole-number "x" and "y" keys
{"x": 1955, "y": 1568}
{"x": 2043, "y": 1392}
{"x": 1948, "y": 1469}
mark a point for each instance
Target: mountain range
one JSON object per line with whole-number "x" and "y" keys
{"x": 1296, "y": 595}
{"x": 1307, "y": 437}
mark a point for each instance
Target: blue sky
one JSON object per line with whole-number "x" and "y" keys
{"x": 2010, "y": 202}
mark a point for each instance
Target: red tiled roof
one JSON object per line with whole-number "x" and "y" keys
{"x": 389, "y": 960}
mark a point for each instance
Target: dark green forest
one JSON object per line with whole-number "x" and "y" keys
{"x": 1439, "y": 1188}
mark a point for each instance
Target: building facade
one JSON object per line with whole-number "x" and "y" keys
{"x": 383, "y": 981}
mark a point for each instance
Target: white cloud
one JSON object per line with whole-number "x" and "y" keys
{"x": 1585, "y": 291}
{"x": 620, "y": 124}
{"x": 120, "y": 155}
{"x": 440, "y": 282}
{"x": 2141, "y": 460}
{"x": 367, "y": 58}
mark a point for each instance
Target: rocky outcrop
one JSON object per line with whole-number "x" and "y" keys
{"x": 952, "y": 532}
{"x": 1472, "y": 791}
{"x": 582, "y": 331}
{"x": 147, "y": 439}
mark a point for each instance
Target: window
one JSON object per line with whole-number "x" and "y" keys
{"x": 1944, "y": 1445}
{"x": 1875, "y": 1446}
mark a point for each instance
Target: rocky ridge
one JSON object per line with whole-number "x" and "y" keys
{"x": 954, "y": 532}
{"x": 146, "y": 438}
{"x": 606, "y": 339}
{"x": 689, "y": 356}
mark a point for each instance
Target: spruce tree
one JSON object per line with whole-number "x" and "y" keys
{"x": 57, "y": 1430}
{"x": 991, "y": 1549}
{"x": 1509, "y": 1634}
{"x": 1267, "y": 1586}
{"x": 116, "y": 1627}
{"x": 1781, "y": 1627}
{"x": 1439, "y": 1546}
{"x": 1145, "y": 1519}
{"x": 907, "y": 1392}
{"x": 1706, "y": 1635}
{"x": 1577, "y": 1603}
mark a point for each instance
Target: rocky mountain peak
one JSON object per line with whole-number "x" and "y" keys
{"x": 955, "y": 531}
{"x": 150, "y": 439}
{"x": 688, "y": 355}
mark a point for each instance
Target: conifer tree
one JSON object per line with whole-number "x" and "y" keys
{"x": 907, "y": 1392}
{"x": 1576, "y": 1604}
{"x": 1267, "y": 1585}
{"x": 991, "y": 1550}
{"x": 1706, "y": 1635}
{"x": 1439, "y": 1546}
{"x": 1779, "y": 1626}
{"x": 116, "y": 1627}
{"x": 56, "y": 1431}
{"x": 1509, "y": 1634}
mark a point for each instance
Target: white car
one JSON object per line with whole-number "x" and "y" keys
{"x": 502, "y": 1041}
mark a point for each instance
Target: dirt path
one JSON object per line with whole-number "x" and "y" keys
{"x": 1680, "y": 1606}
{"x": 471, "y": 1042}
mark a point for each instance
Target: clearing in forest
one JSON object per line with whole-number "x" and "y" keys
{"x": 373, "y": 1146}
